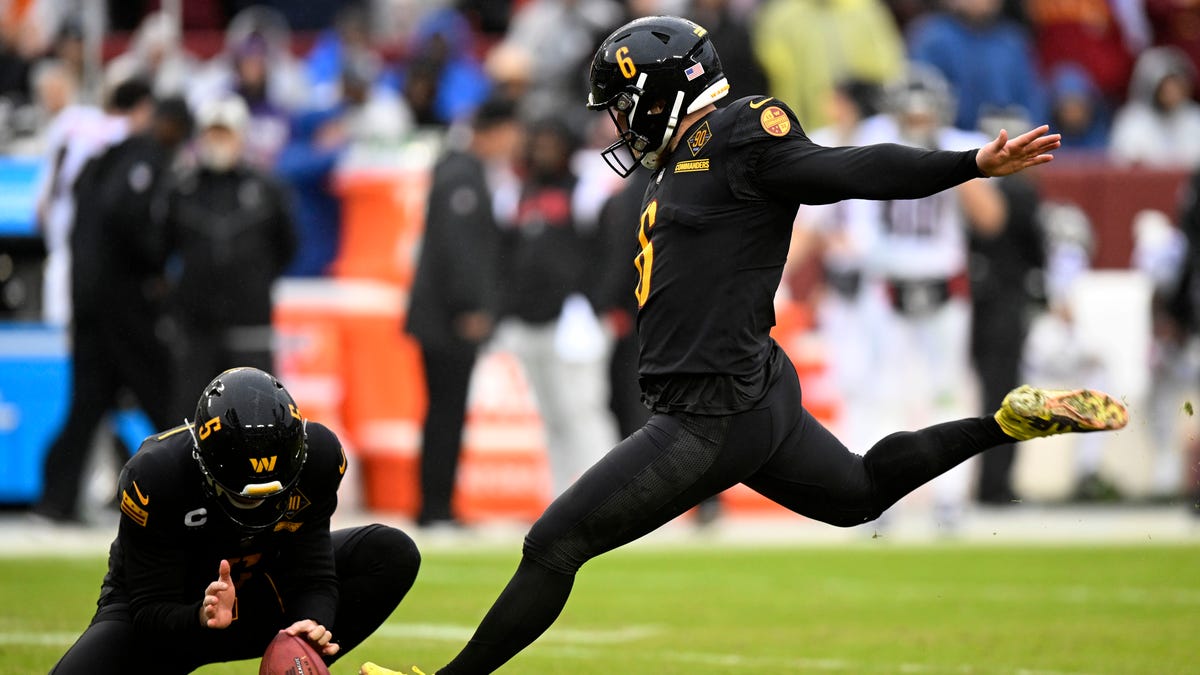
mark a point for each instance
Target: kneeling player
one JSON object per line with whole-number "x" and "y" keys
{"x": 224, "y": 541}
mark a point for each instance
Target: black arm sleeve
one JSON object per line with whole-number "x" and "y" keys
{"x": 800, "y": 170}
{"x": 310, "y": 589}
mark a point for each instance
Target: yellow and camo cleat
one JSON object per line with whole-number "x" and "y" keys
{"x": 1028, "y": 412}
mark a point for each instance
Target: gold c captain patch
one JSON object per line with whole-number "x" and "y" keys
{"x": 130, "y": 508}
{"x": 699, "y": 138}
{"x": 775, "y": 122}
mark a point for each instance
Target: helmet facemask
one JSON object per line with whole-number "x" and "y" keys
{"x": 644, "y": 127}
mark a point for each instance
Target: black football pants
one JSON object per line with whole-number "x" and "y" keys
{"x": 678, "y": 460}
{"x": 376, "y": 565}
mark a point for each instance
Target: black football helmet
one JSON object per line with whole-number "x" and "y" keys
{"x": 648, "y": 74}
{"x": 250, "y": 443}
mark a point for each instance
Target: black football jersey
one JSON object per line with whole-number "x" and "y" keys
{"x": 172, "y": 537}
{"x": 713, "y": 237}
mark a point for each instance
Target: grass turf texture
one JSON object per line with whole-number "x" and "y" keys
{"x": 870, "y": 608}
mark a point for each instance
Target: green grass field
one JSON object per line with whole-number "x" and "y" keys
{"x": 869, "y": 608}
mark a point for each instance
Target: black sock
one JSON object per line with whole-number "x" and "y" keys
{"x": 904, "y": 461}
{"x": 533, "y": 599}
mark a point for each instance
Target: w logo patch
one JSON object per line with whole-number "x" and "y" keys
{"x": 262, "y": 464}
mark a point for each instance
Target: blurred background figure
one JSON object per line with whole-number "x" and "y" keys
{"x": 453, "y": 303}
{"x": 1160, "y": 124}
{"x": 444, "y": 81}
{"x": 1101, "y": 35}
{"x": 117, "y": 290}
{"x": 74, "y": 135}
{"x": 920, "y": 255}
{"x": 1006, "y": 269}
{"x": 987, "y": 59}
{"x": 549, "y": 318}
{"x": 257, "y": 64}
{"x": 230, "y": 234}
{"x": 1160, "y": 252}
{"x": 317, "y": 142}
{"x": 155, "y": 55}
{"x": 561, "y": 35}
{"x": 806, "y": 46}
{"x": 1078, "y": 110}
{"x": 1056, "y": 354}
{"x": 850, "y": 307}
{"x": 730, "y": 32}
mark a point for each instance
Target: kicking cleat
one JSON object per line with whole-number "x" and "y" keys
{"x": 1028, "y": 412}
{"x": 369, "y": 668}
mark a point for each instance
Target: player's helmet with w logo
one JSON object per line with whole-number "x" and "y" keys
{"x": 648, "y": 74}
{"x": 250, "y": 443}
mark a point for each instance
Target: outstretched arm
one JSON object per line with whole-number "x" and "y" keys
{"x": 803, "y": 171}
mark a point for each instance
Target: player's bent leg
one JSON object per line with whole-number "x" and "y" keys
{"x": 107, "y": 647}
{"x": 658, "y": 473}
{"x": 376, "y": 567}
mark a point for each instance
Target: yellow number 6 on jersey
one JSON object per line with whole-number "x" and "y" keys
{"x": 645, "y": 260}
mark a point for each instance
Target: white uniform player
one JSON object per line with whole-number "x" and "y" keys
{"x": 919, "y": 255}
{"x": 77, "y": 134}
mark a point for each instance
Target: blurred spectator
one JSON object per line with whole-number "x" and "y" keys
{"x": 155, "y": 55}
{"x": 75, "y": 134}
{"x": 257, "y": 63}
{"x": 549, "y": 321}
{"x": 68, "y": 49}
{"x": 731, "y": 36}
{"x": 326, "y": 63}
{"x": 1078, "y": 111}
{"x": 452, "y": 306}
{"x": 1100, "y": 35}
{"x": 230, "y": 235}
{"x": 1006, "y": 270}
{"x": 1160, "y": 252}
{"x": 561, "y": 35}
{"x": 987, "y": 59}
{"x": 1160, "y": 125}
{"x": 444, "y": 53}
{"x": 491, "y": 16}
{"x": 806, "y": 46}
{"x": 510, "y": 68}
{"x": 317, "y": 142}
{"x": 375, "y": 114}
{"x": 116, "y": 283}
{"x": 1176, "y": 23}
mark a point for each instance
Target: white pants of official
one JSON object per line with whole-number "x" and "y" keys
{"x": 572, "y": 398}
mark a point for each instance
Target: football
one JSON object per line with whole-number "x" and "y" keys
{"x": 291, "y": 655}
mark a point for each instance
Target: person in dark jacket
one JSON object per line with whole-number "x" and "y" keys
{"x": 117, "y": 291}
{"x": 1006, "y": 286}
{"x": 452, "y": 306}
{"x": 230, "y": 233}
